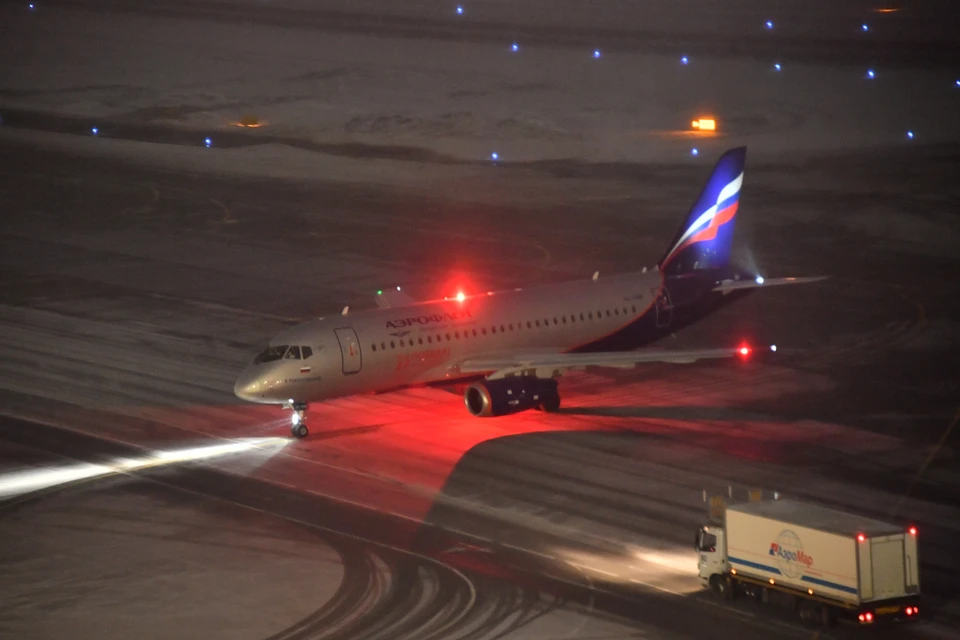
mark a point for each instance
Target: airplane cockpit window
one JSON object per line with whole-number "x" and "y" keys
{"x": 293, "y": 353}
{"x": 270, "y": 354}
{"x": 307, "y": 352}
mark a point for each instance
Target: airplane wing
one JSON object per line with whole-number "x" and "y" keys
{"x": 726, "y": 286}
{"x": 548, "y": 365}
{"x": 388, "y": 298}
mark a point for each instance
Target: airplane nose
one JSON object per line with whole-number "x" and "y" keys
{"x": 248, "y": 386}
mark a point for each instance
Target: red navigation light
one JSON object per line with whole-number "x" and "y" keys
{"x": 913, "y": 531}
{"x": 744, "y": 351}
{"x": 861, "y": 537}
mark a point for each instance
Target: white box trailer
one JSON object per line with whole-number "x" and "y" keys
{"x": 835, "y": 564}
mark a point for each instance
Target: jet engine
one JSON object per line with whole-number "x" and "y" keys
{"x": 511, "y": 395}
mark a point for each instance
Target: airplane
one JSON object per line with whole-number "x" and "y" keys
{"x": 508, "y": 348}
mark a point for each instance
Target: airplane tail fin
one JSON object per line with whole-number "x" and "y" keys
{"x": 705, "y": 237}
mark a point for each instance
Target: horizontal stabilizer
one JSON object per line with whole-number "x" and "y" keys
{"x": 726, "y": 286}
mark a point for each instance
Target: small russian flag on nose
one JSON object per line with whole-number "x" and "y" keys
{"x": 304, "y": 369}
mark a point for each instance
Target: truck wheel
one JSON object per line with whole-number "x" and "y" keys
{"x": 721, "y": 587}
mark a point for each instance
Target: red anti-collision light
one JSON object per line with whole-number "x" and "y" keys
{"x": 861, "y": 537}
{"x": 744, "y": 350}
{"x": 913, "y": 531}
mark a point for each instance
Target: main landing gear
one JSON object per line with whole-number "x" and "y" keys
{"x": 298, "y": 426}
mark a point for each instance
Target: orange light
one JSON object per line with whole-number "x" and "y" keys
{"x": 771, "y": 581}
{"x": 810, "y": 591}
{"x": 460, "y": 296}
{"x": 861, "y": 537}
{"x": 887, "y": 10}
{"x": 733, "y": 571}
{"x": 704, "y": 124}
{"x": 913, "y": 531}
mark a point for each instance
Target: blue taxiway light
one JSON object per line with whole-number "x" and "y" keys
{"x": 870, "y": 74}
{"x": 694, "y": 152}
{"x": 596, "y": 53}
{"x": 957, "y": 83}
{"x": 865, "y": 27}
{"x": 494, "y": 156}
{"x": 459, "y": 10}
{"x": 208, "y": 142}
{"x": 94, "y": 131}
{"x": 684, "y": 60}
{"x": 910, "y": 134}
{"x": 769, "y": 24}
{"x": 515, "y": 47}
{"x": 776, "y": 66}
{"x": 773, "y": 347}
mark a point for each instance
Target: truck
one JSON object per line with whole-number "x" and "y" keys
{"x": 830, "y": 566}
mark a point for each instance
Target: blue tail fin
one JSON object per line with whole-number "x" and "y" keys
{"x": 705, "y": 237}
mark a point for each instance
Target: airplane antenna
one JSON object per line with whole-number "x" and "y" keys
{"x": 596, "y": 274}
{"x": 345, "y": 309}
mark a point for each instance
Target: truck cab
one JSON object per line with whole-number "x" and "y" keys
{"x": 710, "y": 544}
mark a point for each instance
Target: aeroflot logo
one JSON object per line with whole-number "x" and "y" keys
{"x": 412, "y": 321}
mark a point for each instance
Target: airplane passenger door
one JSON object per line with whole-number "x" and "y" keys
{"x": 664, "y": 307}
{"x": 349, "y": 349}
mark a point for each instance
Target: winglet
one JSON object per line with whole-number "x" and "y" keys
{"x": 393, "y": 298}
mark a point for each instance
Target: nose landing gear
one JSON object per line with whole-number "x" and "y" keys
{"x": 298, "y": 426}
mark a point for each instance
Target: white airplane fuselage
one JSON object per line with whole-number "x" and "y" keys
{"x": 385, "y": 349}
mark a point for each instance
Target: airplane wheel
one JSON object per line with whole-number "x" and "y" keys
{"x": 551, "y": 404}
{"x": 300, "y": 430}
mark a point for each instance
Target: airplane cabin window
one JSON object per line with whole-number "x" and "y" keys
{"x": 419, "y": 340}
{"x": 493, "y": 329}
{"x": 590, "y": 315}
{"x": 483, "y": 331}
{"x": 392, "y": 345}
{"x": 383, "y": 346}
{"x": 616, "y": 312}
{"x": 581, "y": 317}
{"x": 474, "y": 333}
{"x": 537, "y": 323}
{"x": 502, "y": 329}
{"x": 293, "y": 353}
{"x": 430, "y": 339}
{"x": 374, "y": 345}
{"x": 608, "y": 313}
{"x": 307, "y": 352}
{"x": 528, "y": 324}
{"x": 270, "y": 354}
{"x": 401, "y": 342}
{"x": 634, "y": 309}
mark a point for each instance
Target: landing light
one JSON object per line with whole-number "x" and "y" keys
{"x": 514, "y": 47}
{"x": 759, "y": 279}
{"x": 207, "y": 142}
{"x": 94, "y": 131}
{"x": 865, "y": 27}
{"x": 295, "y": 418}
{"x": 910, "y": 135}
{"x": 494, "y": 156}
